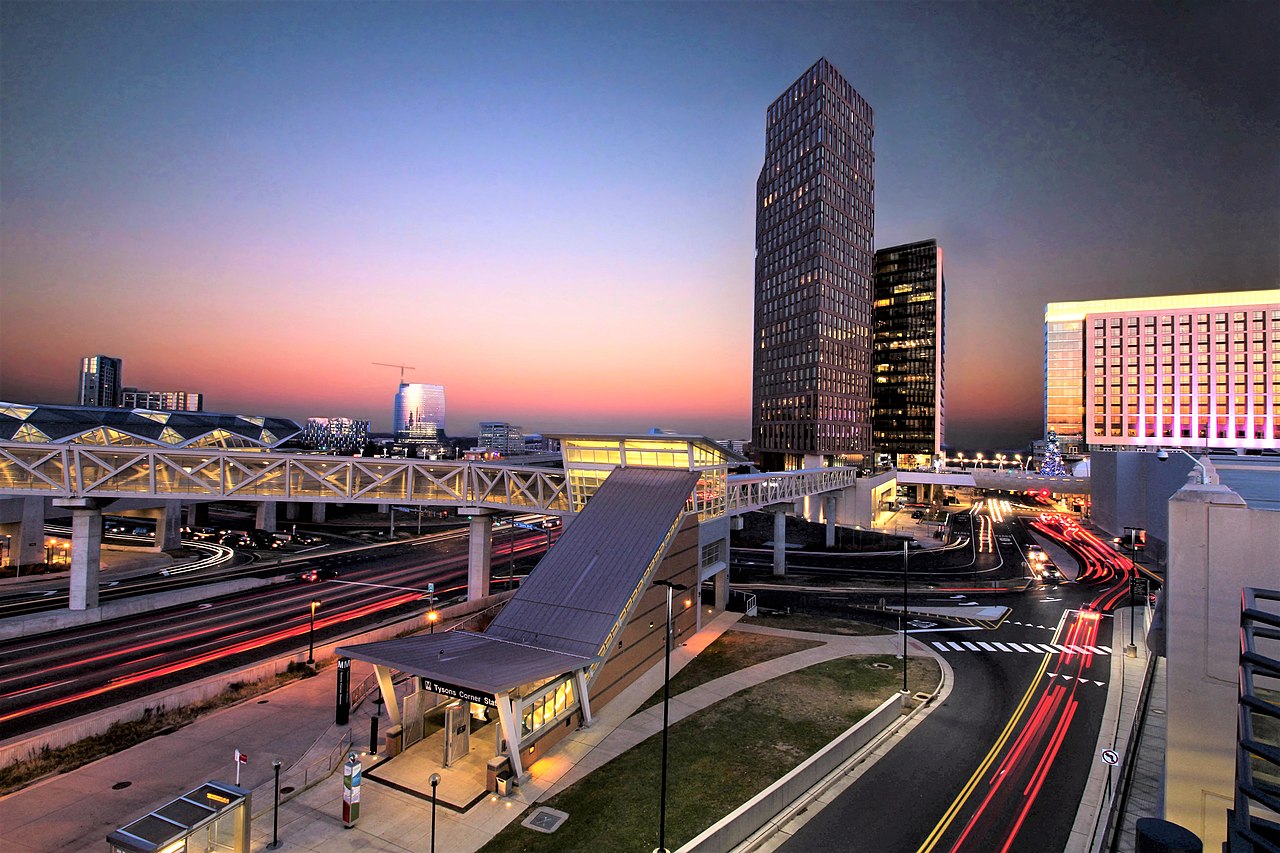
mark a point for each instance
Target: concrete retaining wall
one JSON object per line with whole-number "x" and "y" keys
{"x": 79, "y": 728}
{"x": 61, "y": 620}
{"x": 738, "y": 826}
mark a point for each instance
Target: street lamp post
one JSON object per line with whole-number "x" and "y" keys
{"x": 311, "y": 637}
{"x": 666, "y": 707}
{"x": 275, "y": 812}
{"x": 903, "y": 624}
{"x": 435, "y": 780}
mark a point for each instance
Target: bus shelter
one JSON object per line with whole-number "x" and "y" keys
{"x": 213, "y": 817}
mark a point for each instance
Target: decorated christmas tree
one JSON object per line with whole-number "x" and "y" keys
{"x": 1052, "y": 464}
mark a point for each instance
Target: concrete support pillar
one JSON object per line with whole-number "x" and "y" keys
{"x": 722, "y": 590}
{"x": 26, "y": 535}
{"x": 479, "y": 556}
{"x": 292, "y": 509}
{"x": 198, "y": 514}
{"x": 829, "y": 515}
{"x": 266, "y": 516}
{"x": 168, "y": 527}
{"x": 779, "y": 542}
{"x": 317, "y": 513}
{"x": 86, "y": 557}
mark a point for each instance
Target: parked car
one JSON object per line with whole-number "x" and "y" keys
{"x": 918, "y": 514}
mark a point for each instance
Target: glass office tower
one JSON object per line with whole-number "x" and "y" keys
{"x": 100, "y": 381}
{"x": 811, "y": 389}
{"x": 908, "y": 416}
{"x": 419, "y": 413}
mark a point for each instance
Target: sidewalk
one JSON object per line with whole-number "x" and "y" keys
{"x": 294, "y": 725}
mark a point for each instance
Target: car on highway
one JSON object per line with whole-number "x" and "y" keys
{"x": 314, "y": 575}
{"x": 236, "y": 540}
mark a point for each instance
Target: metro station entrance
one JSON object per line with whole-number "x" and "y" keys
{"x": 441, "y": 734}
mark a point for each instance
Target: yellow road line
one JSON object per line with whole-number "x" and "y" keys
{"x": 963, "y": 796}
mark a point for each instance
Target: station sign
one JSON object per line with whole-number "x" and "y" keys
{"x": 459, "y": 692}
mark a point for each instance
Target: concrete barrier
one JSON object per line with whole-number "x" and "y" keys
{"x": 742, "y": 822}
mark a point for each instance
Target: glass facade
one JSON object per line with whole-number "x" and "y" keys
{"x": 162, "y": 401}
{"x": 1063, "y": 367}
{"x": 419, "y": 413}
{"x": 908, "y": 417}
{"x": 811, "y": 392}
{"x": 589, "y": 460}
{"x": 1196, "y": 371}
{"x": 339, "y": 435}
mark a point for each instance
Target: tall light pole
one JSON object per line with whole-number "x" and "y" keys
{"x": 275, "y": 812}
{"x": 903, "y": 623}
{"x": 666, "y": 709}
{"x": 311, "y": 641}
{"x": 435, "y": 780}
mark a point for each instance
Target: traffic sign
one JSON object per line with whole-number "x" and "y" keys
{"x": 1111, "y": 757}
{"x": 431, "y": 588}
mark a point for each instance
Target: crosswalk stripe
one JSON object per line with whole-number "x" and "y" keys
{"x": 1024, "y": 648}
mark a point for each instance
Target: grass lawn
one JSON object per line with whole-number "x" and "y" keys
{"x": 731, "y": 651}
{"x": 816, "y": 624}
{"x": 719, "y": 757}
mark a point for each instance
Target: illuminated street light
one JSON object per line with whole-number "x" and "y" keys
{"x": 432, "y": 618}
{"x": 311, "y": 643}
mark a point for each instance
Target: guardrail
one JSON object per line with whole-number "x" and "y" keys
{"x": 1257, "y": 726}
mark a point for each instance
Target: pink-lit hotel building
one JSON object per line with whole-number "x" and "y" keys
{"x": 1193, "y": 371}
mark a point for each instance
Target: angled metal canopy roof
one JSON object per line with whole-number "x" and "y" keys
{"x": 571, "y": 601}
{"x": 562, "y": 615}
{"x": 478, "y": 661}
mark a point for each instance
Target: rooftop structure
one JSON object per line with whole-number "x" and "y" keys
{"x": 102, "y": 427}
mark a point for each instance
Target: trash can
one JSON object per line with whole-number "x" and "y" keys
{"x": 497, "y": 765}
{"x": 395, "y": 741}
{"x": 506, "y": 782}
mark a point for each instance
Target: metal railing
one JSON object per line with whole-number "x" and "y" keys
{"x": 1258, "y": 726}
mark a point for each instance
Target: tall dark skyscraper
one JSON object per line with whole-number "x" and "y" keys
{"x": 100, "y": 381}
{"x": 811, "y": 389}
{"x": 908, "y": 420}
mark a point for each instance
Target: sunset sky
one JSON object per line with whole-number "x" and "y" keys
{"x": 550, "y": 209}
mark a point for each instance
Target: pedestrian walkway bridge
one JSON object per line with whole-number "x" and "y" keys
{"x": 80, "y": 472}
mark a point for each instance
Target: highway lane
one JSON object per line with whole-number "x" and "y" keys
{"x": 1002, "y": 764}
{"x": 53, "y": 677}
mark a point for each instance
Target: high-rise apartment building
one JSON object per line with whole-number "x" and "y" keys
{"x": 811, "y": 389}
{"x": 908, "y": 413}
{"x": 100, "y": 381}
{"x": 501, "y": 437}
{"x": 164, "y": 401}
{"x": 335, "y": 435}
{"x": 419, "y": 413}
{"x": 1193, "y": 371}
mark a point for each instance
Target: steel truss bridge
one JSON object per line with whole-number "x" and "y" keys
{"x": 83, "y": 471}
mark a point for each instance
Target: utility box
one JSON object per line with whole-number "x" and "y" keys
{"x": 395, "y": 741}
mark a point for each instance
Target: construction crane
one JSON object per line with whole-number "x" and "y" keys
{"x": 403, "y": 368}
